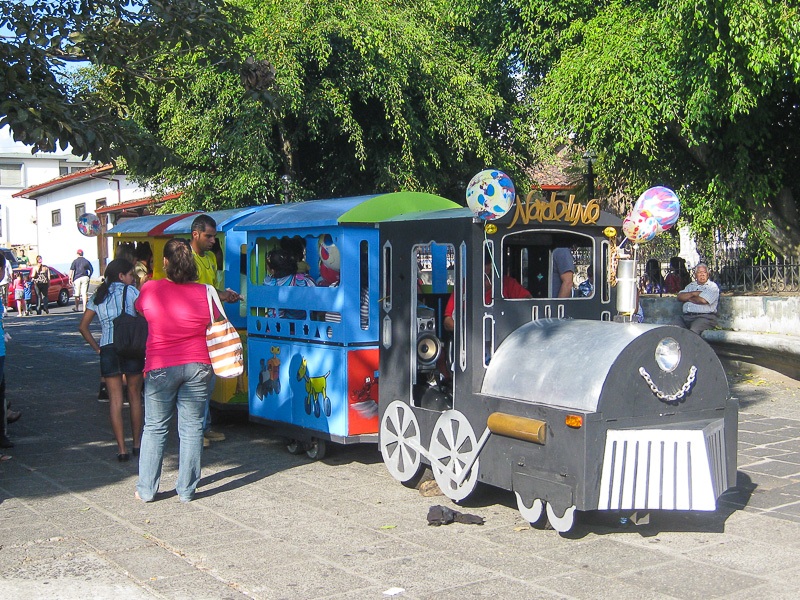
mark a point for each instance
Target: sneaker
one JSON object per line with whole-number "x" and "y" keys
{"x": 13, "y": 416}
{"x": 214, "y": 436}
{"x": 206, "y": 442}
{"x": 103, "y": 393}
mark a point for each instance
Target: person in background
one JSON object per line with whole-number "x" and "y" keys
{"x": 6, "y": 273}
{"x": 178, "y": 372}
{"x": 586, "y": 287}
{"x": 40, "y": 274}
{"x": 203, "y": 241}
{"x": 80, "y": 273}
{"x": 143, "y": 268}
{"x": 282, "y": 266}
{"x": 700, "y": 299}
{"x": 652, "y": 281}
{"x": 107, "y": 304}
{"x": 678, "y": 276}
{"x": 5, "y": 442}
{"x": 18, "y": 286}
{"x": 563, "y": 273}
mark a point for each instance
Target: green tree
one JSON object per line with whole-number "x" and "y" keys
{"x": 344, "y": 97}
{"x": 46, "y": 104}
{"x": 700, "y": 97}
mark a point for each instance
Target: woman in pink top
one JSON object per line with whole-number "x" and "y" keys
{"x": 177, "y": 369}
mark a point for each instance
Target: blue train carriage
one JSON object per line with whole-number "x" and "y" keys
{"x": 231, "y": 252}
{"x": 544, "y": 396}
{"x": 313, "y": 351}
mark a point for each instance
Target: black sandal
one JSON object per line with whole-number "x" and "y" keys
{"x": 125, "y": 457}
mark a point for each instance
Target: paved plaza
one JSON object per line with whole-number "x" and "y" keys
{"x": 269, "y": 525}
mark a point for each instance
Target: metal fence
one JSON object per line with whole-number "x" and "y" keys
{"x": 730, "y": 266}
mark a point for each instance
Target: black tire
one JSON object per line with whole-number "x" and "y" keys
{"x": 295, "y": 447}
{"x": 316, "y": 449}
{"x": 63, "y": 297}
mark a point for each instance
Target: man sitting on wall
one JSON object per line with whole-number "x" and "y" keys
{"x": 700, "y": 299}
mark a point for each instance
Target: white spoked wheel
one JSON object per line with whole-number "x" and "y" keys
{"x": 532, "y": 515}
{"x": 453, "y": 448}
{"x": 563, "y": 523}
{"x": 400, "y": 442}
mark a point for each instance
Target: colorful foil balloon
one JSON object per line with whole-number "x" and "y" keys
{"x": 661, "y": 204}
{"x": 490, "y": 194}
{"x": 640, "y": 227}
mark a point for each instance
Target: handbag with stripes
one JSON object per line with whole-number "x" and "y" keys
{"x": 223, "y": 341}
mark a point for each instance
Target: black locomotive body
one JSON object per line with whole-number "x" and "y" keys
{"x": 545, "y": 396}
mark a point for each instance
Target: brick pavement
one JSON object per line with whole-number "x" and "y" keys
{"x": 267, "y": 524}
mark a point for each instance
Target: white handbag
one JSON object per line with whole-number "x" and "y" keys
{"x": 224, "y": 344}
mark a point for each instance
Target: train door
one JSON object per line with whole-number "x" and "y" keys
{"x": 432, "y": 354}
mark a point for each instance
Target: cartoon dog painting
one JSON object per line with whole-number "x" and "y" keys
{"x": 316, "y": 390}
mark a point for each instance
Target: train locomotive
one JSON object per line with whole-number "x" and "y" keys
{"x": 544, "y": 396}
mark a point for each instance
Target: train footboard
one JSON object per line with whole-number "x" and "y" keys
{"x": 664, "y": 469}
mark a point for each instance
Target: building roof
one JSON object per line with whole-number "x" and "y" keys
{"x": 64, "y": 181}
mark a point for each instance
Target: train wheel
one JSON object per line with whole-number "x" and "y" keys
{"x": 532, "y": 515}
{"x": 400, "y": 442}
{"x": 563, "y": 523}
{"x": 295, "y": 447}
{"x": 316, "y": 449}
{"x": 453, "y": 447}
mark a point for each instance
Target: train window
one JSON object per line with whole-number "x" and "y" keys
{"x": 488, "y": 339}
{"x": 363, "y": 285}
{"x": 243, "y": 279}
{"x": 462, "y": 303}
{"x": 605, "y": 253}
{"x": 491, "y": 266}
{"x": 386, "y": 282}
{"x": 538, "y": 259}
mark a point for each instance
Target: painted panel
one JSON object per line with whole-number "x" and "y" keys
{"x": 362, "y": 374}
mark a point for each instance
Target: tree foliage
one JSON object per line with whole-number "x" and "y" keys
{"x": 46, "y": 105}
{"x": 700, "y": 97}
{"x": 344, "y": 97}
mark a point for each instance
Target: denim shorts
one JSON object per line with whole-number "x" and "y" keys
{"x": 112, "y": 364}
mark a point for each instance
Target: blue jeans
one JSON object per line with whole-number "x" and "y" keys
{"x": 186, "y": 387}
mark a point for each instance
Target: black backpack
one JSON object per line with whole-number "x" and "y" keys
{"x": 130, "y": 332}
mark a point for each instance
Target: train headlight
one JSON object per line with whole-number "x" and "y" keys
{"x": 668, "y": 354}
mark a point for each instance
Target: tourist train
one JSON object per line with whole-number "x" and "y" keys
{"x": 558, "y": 400}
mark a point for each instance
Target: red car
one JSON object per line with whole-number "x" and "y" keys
{"x": 60, "y": 290}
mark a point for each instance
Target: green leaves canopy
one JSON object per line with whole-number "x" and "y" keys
{"x": 700, "y": 97}
{"x": 345, "y": 98}
{"x": 121, "y": 37}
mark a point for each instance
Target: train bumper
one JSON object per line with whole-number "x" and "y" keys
{"x": 664, "y": 469}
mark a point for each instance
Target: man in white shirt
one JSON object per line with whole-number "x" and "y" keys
{"x": 700, "y": 299}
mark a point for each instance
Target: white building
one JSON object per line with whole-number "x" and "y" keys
{"x": 61, "y": 201}
{"x": 19, "y": 169}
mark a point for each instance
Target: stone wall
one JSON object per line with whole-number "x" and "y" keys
{"x": 758, "y": 314}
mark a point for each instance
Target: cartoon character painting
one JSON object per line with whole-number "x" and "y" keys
{"x": 329, "y": 262}
{"x": 269, "y": 375}
{"x": 316, "y": 390}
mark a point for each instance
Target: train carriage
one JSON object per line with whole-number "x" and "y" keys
{"x": 313, "y": 351}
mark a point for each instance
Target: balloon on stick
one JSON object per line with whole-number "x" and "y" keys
{"x": 490, "y": 194}
{"x": 660, "y": 203}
